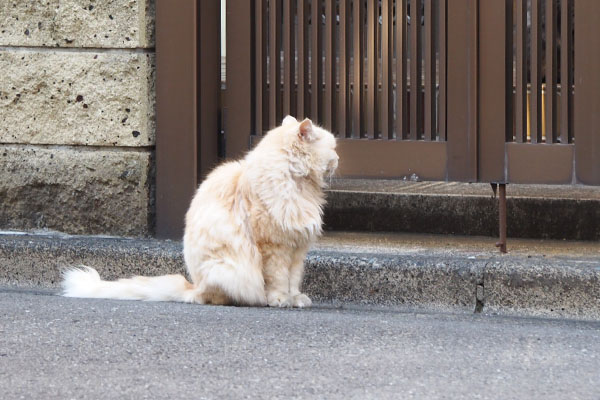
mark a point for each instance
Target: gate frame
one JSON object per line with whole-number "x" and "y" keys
{"x": 189, "y": 100}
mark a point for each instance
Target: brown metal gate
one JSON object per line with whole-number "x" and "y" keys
{"x": 351, "y": 72}
{"x": 459, "y": 90}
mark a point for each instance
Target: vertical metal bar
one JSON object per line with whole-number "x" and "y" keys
{"x": 329, "y": 103}
{"x": 372, "y": 86}
{"x": 357, "y": 92}
{"x": 209, "y": 85}
{"x": 316, "y": 62}
{"x": 472, "y": 44}
{"x": 238, "y": 116}
{"x": 443, "y": 44}
{"x": 430, "y": 67}
{"x": 415, "y": 69}
{"x": 365, "y": 65}
{"x": 260, "y": 66}
{"x": 502, "y": 218}
{"x": 274, "y": 63}
{"x": 387, "y": 54}
{"x": 401, "y": 53}
{"x": 566, "y": 71}
{"x": 176, "y": 108}
{"x": 302, "y": 90}
{"x": 289, "y": 62}
{"x": 521, "y": 73}
{"x": 536, "y": 72}
{"x": 343, "y": 111}
{"x": 462, "y": 109}
{"x": 551, "y": 70}
{"x": 587, "y": 95}
{"x": 495, "y": 87}
{"x": 508, "y": 71}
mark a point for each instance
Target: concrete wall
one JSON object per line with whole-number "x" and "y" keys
{"x": 77, "y": 120}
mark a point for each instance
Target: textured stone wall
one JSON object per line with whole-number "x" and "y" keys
{"x": 77, "y": 125}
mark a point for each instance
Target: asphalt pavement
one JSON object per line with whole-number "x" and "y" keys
{"x": 63, "y": 348}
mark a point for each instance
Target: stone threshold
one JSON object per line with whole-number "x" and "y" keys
{"x": 569, "y": 212}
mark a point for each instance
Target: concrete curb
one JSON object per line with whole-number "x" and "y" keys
{"x": 456, "y": 282}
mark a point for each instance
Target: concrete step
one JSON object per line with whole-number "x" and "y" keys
{"x": 425, "y": 272}
{"x": 534, "y": 211}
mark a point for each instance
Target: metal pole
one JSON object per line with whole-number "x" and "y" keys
{"x": 502, "y": 217}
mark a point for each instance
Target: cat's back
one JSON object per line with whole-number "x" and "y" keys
{"x": 223, "y": 180}
{"x": 217, "y": 192}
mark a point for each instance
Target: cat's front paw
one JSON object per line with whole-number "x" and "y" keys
{"x": 278, "y": 299}
{"x": 301, "y": 300}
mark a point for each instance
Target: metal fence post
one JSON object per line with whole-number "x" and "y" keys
{"x": 495, "y": 87}
{"x": 187, "y": 104}
{"x": 239, "y": 101}
{"x": 462, "y": 90}
{"x": 177, "y": 117}
{"x": 587, "y": 92}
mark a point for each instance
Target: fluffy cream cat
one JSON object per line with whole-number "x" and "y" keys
{"x": 248, "y": 228}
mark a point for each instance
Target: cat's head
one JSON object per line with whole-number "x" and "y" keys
{"x": 315, "y": 145}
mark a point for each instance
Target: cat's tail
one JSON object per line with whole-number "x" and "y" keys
{"x": 85, "y": 282}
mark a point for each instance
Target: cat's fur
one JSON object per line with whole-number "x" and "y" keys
{"x": 248, "y": 228}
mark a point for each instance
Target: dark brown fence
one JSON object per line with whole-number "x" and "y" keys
{"x": 347, "y": 65}
{"x": 339, "y": 64}
{"x": 462, "y": 90}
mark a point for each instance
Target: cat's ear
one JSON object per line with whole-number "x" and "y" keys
{"x": 306, "y": 131}
{"x": 289, "y": 120}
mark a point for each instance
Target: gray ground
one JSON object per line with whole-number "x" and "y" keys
{"x": 59, "y": 348}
